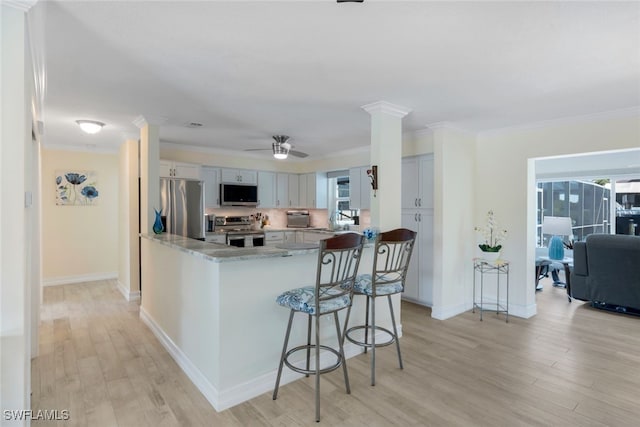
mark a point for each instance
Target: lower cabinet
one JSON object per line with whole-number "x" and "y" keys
{"x": 216, "y": 238}
{"x": 419, "y": 281}
{"x": 313, "y": 237}
{"x": 273, "y": 238}
{"x": 290, "y": 236}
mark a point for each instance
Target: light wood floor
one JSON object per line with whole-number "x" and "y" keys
{"x": 570, "y": 365}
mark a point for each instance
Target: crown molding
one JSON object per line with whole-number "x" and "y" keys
{"x": 387, "y": 108}
{"x": 420, "y": 132}
{"x": 23, "y": 5}
{"x": 142, "y": 121}
{"x": 585, "y": 118}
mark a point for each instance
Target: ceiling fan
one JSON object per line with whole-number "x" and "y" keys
{"x": 281, "y": 148}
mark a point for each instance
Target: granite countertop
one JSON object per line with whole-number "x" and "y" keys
{"x": 223, "y": 253}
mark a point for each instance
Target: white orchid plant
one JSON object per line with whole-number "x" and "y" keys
{"x": 493, "y": 237}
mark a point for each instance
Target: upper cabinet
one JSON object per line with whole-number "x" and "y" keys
{"x": 211, "y": 178}
{"x": 282, "y": 190}
{"x": 359, "y": 188}
{"x": 294, "y": 191}
{"x": 417, "y": 182}
{"x": 267, "y": 189}
{"x": 243, "y": 176}
{"x": 275, "y": 190}
{"x": 170, "y": 169}
{"x": 313, "y": 191}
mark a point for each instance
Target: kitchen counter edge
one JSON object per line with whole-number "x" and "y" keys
{"x": 218, "y": 252}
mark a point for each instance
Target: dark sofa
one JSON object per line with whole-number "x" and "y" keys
{"x": 606, "y": 272}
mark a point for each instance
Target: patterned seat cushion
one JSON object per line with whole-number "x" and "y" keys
{"x": 303, "y": 299}
{"x": 363, "y": 286}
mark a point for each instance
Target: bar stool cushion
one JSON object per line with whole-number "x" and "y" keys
{"x": 303, "y": 299}
{"x": 363, "y": 286}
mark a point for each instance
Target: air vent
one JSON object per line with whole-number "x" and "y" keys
{"x": 192, "y": 125}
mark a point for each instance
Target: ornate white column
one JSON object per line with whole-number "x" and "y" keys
{"x": 386, "y": 154}
{"x": 149, "y": 169}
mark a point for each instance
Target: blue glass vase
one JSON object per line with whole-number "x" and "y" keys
{"x": 157, "y": 225}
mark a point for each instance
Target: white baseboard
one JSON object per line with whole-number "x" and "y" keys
{"x": 224, "y": 399}
{"x": 128, "y": 295}
{"x": 415, "y": 301}
{"x": 194, "y": 374}
{"x": 524, "y": 311}
{"x": 65, "y": 280}
{"x": 442, "y": 313}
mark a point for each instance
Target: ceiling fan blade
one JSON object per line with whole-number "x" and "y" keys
{"x": 298, "y": 154}
{"x": 257, "y": 149}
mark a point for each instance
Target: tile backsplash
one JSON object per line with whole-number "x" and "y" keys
{"x": 278, "y": 217}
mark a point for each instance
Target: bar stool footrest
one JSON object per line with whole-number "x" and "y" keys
{"x": 368, "y": 344}
{"x": 313, "y": 371}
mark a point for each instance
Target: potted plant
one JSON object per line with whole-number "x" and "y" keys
{"x": 493, "y": 237}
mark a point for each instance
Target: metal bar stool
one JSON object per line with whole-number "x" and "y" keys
{"x": 338, "y": 260}
{"x": 390, "y": 263}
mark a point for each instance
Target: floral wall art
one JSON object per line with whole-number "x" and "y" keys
{"x": 76, "y": 188}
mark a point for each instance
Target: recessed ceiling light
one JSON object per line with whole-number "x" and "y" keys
{"x": 90, "y": 126}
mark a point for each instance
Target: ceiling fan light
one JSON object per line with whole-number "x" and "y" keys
{"x": 280, "y": 150}
{"x": 90, "y": 126}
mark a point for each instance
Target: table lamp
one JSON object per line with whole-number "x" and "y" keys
{"x": 556, "y": 226}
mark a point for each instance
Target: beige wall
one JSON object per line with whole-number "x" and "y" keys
{"x": 79, "y": 243}
{"x": 505, "y": 182}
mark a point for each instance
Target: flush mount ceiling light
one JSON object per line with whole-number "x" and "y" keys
{"x": 90, "y": 126}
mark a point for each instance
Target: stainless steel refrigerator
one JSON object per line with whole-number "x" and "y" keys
{"x": 182, "y": 203}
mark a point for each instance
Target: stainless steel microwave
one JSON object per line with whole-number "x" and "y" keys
{"x": 239, "y": 194}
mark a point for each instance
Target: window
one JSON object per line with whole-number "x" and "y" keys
{"x": 341, "y": 213}
{"x": 342, "y": 193}
{"x": 587, "y": 203}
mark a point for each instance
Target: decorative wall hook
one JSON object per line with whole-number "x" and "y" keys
{"x": 373, "y": 176}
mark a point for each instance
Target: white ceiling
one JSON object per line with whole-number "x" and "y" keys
{"x": 249, "y": 70}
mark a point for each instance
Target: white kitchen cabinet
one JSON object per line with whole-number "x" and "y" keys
{"x": 359, "y": 188}
{"x": 417, "y": 215}
{"x": 287, "y": 189}
{"x": 282, "y": 190}
{"x": 216, "y": 238}
{"x": 290, "y": 237}
{"x": 419, "y": 281}
{"x": 303, "y": 198}
{"x": 267, "y": 187}
{"x": 314, "y": 236}
{"x": 294, "y": 190}
{"x": 273, "y": 238}
{"x": 243, "y": 176}
{"x": 313, "y": 191}
{"x": 171, "y": 169}
{"x": 211, "y": 178}
{"x": 417, "y": 182}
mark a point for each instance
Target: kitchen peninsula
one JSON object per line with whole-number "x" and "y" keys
{"x": 213, "y": 308}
